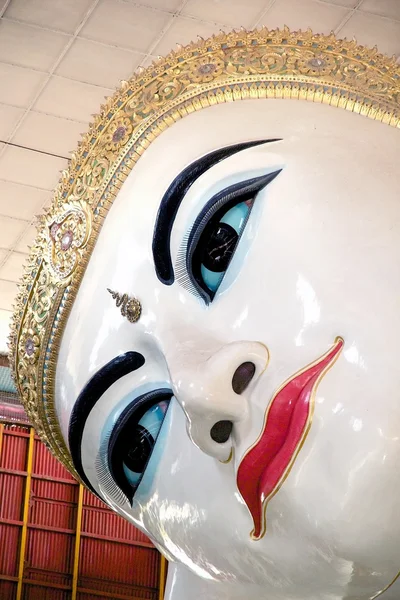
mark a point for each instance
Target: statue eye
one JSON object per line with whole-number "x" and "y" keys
{"x": 217, "y": 245}
{"x": 216, "y": 233}
{"x": 133, "y": 439}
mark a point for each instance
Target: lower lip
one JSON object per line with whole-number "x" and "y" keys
{"x": 287, "y": 422}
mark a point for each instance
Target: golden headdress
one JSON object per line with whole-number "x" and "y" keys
{"x": 224, "y": 68}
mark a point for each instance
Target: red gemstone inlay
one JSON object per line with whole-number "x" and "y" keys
{"x": 263, "y": 468}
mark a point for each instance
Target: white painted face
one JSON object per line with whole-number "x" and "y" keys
{"x": 317, "y": 258}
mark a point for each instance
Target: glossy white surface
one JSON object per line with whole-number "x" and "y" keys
{"x": 318, "y": 258}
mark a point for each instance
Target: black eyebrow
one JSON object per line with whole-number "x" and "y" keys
{"x": 100, "y": 382}
{"x": 172, "y": 199}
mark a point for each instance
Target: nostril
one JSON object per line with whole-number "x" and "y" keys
{"x": 242, "y": 376}
{"x": 221, "y": 431}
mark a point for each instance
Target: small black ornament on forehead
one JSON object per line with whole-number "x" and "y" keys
{"x": 130, "y": 307}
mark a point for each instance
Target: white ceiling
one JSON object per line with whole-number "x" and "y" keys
{"x": 59, "y": 58}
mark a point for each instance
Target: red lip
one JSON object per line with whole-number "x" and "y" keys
{"x": 287, "y": 422}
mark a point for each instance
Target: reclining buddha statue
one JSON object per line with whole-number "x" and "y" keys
{"x": 206, "y": 329}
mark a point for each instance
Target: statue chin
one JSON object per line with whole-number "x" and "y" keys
{"x": 227, "y": 377}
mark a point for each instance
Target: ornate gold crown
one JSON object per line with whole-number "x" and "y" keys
{"x": 224, "y": 68}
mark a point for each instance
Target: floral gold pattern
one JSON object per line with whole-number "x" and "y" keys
{"x": 206, "y": 69}
{"x": 225, "y": 68}
{"x": 68, "y": 234}
{"x": 32, "y": 346}
{"x": 118, "y": 135}
{"x": 311, "y": 64}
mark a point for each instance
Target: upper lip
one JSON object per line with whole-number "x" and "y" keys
{"x": 287, "y": 422}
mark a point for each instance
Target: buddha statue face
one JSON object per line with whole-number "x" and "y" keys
{"x": 248, "y": 420}
{"x": 207, "y": 331}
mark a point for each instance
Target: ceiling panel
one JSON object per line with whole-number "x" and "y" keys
{"x": 133, "y": 26}
{"x": 21, "y": 201}
{"x": 71, "y": 99}
{"x": 11, "y": 230}
{"x": 182, "y": 31}
{"x": 320, "y": 16}
{"x": 3, "y": 4}
{"x": 8, "y": 292}
{"x": 19, "y": 86}
{"x": 27, "y": 239}
{"x": 50, "y": 134}
{"x": 28, "y": 46}
{"x": 167, "y": 5}
{"x": 31, "y": 168}
{"x": 9, "y": 117}
{"x": 98, "y": 63}
{"x": 60, "y": 58}
{"x": 385, "y": 8}
{"x": 372, "y": 30}
{"x": 11, "y": 268}
{"x": 346, "y": 3}
{"x": 236, "y": 13}
{"x": 62, "y": 15}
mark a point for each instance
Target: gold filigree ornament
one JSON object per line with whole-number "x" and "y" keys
{"x": 68, "y": 233}
{"x": 225, "y": 68}
{"x": 130, "y": 307}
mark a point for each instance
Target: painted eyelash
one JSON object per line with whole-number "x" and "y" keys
{"x": 107, "y": 485}
{"x": 181, "y": 270}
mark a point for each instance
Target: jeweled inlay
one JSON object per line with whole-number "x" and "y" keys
{"x": 118, "y": 134}
{"x": 67, "y": 240}
{"x": 206, "y": 69}
{"x": 53, "y": 230}
{"x": 29, "y": 347}
{"x": 316, "y": 63}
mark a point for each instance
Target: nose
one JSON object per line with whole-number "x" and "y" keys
{"x": 214, "y": 393}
